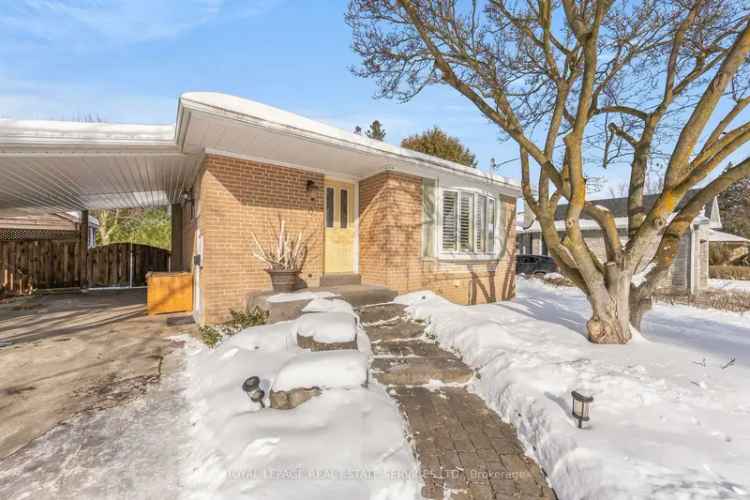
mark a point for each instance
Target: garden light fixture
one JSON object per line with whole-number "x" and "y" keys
{"x": 581, "y": 405}
{"x": 251, "y": 386}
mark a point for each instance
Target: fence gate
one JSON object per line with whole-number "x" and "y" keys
{"x": 31, "y": 264}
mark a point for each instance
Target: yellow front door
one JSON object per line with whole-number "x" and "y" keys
{"x": 339, "y": 223}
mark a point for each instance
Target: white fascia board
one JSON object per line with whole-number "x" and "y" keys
{"x": 269, "y": 118}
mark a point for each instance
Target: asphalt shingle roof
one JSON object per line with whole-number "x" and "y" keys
{"x": 619, "y": 206}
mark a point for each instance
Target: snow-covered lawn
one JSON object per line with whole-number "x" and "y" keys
{"x": 732, "y": 285}
{"x": 347, "y": 443}
{"x": 667, "y": 421}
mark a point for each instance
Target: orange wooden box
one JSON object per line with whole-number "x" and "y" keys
{"x": 170, "y": 292}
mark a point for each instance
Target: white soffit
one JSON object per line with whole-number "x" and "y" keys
{"x": 48, "y": 166}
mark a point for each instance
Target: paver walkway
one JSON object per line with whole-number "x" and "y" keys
{"x": 465, "y": 450}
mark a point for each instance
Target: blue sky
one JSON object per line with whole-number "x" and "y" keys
{"x": 128, "y": 63}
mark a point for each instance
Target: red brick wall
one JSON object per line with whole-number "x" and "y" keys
{"x": 240, "y": 197}
{"x": 390, "y": 246}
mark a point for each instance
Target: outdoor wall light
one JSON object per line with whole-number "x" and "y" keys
{"x": 581, "y": 405}
{"x": 187, "y": 196}
{"x": 310, "y": 185}
{"x": 251, "y": 386}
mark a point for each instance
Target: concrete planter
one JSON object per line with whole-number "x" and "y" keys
{"x": 283, "y": 281}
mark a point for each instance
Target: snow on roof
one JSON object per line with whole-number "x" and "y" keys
{"x": 586, "y": 224}
{"x": 34, "y": 131}
{"x": 240, "y": 108}
{"x": 722, "y": 237}
{"x": 590, "y": 224}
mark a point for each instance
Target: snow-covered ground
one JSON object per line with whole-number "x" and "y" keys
{"x": 733, "y": 285}
{"x": 668, "y": 421}
{"x": 347, "y": 443}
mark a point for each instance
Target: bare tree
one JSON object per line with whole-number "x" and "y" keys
{"x": 573, "y": 82}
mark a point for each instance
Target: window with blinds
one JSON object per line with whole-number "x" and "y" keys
{"x": 468, "y": 221}
{"x": 450, "y": 221}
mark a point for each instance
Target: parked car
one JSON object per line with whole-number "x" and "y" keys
{"x": 535, "y": 264}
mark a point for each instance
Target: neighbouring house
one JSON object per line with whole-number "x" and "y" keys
{"x": 689, "y": 271}
{"x": 54, "y": 226}
{"x": 231, "y": 168}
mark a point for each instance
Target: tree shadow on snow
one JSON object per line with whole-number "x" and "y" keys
{"x": 551, "y": 312}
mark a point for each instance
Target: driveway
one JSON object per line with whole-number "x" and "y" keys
{"x": 73, "y": 354}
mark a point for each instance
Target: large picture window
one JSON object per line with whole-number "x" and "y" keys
{"x": 468, "y": 222}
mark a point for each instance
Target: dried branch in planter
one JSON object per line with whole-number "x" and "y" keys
{"x": 286, "y": 254}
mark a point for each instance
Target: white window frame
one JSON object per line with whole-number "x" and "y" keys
{"x": 469, "y": 255}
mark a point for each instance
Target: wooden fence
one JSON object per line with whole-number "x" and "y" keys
{"x": 44, "y": 264}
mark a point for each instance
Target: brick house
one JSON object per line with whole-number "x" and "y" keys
{"x": 230, "y": 168}
{"x": 689, "y": 270}
{"x": 387, "y": 215}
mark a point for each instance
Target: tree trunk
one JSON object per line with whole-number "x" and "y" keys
{"x": 638, "y": 308}
{"x": 610, "y": 319}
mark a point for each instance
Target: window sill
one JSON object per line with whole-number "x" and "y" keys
{"x": 468, "y": 257}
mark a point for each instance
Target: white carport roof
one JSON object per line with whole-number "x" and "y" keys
{"x": 52, "y": 166}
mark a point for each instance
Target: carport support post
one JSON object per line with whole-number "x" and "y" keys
{"x": 84, "y": 250}
{"x": 176, "y": 259}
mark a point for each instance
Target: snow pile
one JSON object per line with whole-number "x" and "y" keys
{"x": 323, "y": 449}
{"x": 328, "y": 327}
{"x": 730, "y": 285}
{"x": 328, "y": 305}
{"x": 668, "y": 421}
{"x": 324, "y": 369}
{"x": 275, "y": 337}
{"x": 303, "y": 295}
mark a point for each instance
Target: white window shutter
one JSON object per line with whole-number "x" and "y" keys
{"x": 480, "y": 223}
{"x": 450, "y": 221}
{"x": 465, "y": 220}
{"x": 491, "y": 215}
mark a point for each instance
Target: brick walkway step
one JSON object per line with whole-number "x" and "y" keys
{"x": 408, "y": 348}
{"x": 465, "y": 450}
{"x": 420, "y": 371}
{"x": 396, "y": 330}
{"x": 381, "y": 312}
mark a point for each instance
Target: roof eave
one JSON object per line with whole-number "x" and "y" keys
{"x": 186, "y": 106}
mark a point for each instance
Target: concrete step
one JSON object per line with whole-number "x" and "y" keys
{"x": 356, "y": 295}
{"x": 363, "y": 295}
{"x": 421, "y": 371}
{"x": 338, "y": 279}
